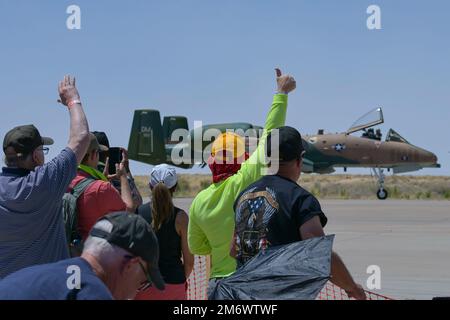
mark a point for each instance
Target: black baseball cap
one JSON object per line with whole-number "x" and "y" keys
{"x": 102, "y": 138}
{"x": 290, "y": 143}
{"x": 24, "y": 139}
{"x": 132, "y": 233}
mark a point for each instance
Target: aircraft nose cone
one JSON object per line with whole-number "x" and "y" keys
{"x": 430, "y": 157}
{"x": 434, "y": 158}
{"x": 434, "y": 162}
{"x": 426, "y": 157}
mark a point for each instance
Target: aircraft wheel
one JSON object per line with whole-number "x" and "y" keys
{"x": 382, "y": 194}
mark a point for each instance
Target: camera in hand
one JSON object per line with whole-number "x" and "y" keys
{"x": 115, "y": 157}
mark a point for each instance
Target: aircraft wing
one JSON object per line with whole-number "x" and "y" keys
{"x": 403, "y": 169}
{"x": 308, "y": 166}
{"x": 411, "y": 168}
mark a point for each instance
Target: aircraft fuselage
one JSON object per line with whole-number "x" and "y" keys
{"x": 343, "y": 150}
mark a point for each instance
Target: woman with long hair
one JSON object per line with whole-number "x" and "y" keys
{"x": 170, "y": 225}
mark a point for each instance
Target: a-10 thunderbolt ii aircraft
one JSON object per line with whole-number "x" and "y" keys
{"x": 154, "y": 143}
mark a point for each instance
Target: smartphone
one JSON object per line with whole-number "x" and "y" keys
{"x": 115, "y": 156}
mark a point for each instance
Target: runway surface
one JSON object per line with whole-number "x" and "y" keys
{"x": 408, "y": 240}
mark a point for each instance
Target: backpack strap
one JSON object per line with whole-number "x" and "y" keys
{"x": 70, "y": 213}
{"x": 81, "y": 186}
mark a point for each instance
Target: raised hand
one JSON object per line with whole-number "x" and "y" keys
{"x": 125, "y": 160}
{"x": 68, "y": 92}
{"x": 286, "y": 83}
{"x": 106, "y": 168}
{"x": 121, "y": 168}
{"x": 121, "y": 171}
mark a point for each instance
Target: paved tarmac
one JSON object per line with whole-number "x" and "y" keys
{"x": 408, "y": 240}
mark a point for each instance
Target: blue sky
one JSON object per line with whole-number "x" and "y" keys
{"x": 213, "y": 61}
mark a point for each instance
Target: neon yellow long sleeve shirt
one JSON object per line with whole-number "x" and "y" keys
{"x": 211, "y": 216}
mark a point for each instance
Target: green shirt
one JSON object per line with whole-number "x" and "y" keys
{"x": 211, "y": 216}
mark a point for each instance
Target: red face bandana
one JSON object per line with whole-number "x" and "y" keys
{"x": 222, "y": 171}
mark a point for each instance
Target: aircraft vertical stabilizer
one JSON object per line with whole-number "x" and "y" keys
{"x": 146, "y": 143}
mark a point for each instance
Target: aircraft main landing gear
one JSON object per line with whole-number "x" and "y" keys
{"x": 382, "y": 193}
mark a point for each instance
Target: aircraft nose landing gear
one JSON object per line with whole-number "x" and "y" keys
{"x": 382, "y": 193}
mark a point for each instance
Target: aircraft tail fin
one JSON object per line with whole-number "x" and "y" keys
{"x": 146, "y": 142}
{"x": 172, "y": 123}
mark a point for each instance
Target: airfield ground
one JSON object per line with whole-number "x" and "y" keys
{"x": 408, "y": 240}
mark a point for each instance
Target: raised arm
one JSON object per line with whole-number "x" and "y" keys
{"x": 136, "y": 195}
{"x": 79, "y": 129}
{"x": 125, "y": 190}
{"x": 251, "y": 169}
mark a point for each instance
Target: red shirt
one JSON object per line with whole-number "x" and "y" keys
{"x": 99, "y": 199}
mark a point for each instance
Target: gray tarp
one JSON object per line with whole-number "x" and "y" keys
{"x": 297, "y": 271}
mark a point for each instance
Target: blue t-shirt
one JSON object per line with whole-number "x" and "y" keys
{"x": 55, "y": 281}
{"x": 31, "y": 223}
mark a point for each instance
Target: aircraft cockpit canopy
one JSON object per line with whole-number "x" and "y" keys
{"x": 395, "y": 136}
{"x": 370, "y": 119}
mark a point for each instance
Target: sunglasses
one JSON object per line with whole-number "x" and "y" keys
{"x": 44, "y": 150}
{"x": 148, "y": 282}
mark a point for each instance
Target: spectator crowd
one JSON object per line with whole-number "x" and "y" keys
{"x": 76, "y": 227}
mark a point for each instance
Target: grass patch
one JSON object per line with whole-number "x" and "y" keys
{"x": 334, "y": 186}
